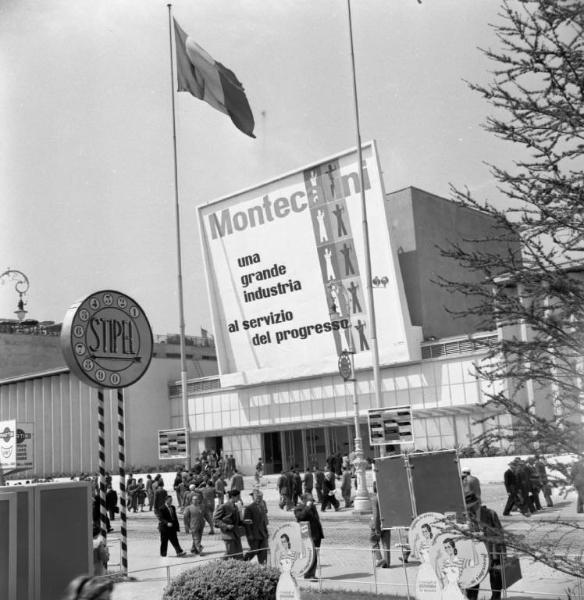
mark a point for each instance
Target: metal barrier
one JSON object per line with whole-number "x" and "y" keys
{"x": 354, "y": 568}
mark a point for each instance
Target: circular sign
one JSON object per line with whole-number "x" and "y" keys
{"x": 460, "y": 562}
{"x": 107, "y": 340}
{"x": 423, "y": 532}
{"x": 345, "y": 365}
{"x": 292, "y": 548}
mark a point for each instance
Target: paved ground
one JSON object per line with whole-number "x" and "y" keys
{"x": 346, "y": 561}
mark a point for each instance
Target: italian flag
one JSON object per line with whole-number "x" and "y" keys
{"x": 201, "y": 75}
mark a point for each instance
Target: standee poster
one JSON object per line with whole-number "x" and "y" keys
{"x": 285, "y": 264}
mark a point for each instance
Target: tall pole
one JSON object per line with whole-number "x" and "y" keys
{"x": 373, "y": 324}
{"x": 101, "y": 461}
{"x": 122, "y": 471}
{"x": 183, "y": 361}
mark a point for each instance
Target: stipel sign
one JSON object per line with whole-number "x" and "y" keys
{"x": 106, "y": 340}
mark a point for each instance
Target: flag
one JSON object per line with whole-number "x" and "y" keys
{"x": 205, "y": 78}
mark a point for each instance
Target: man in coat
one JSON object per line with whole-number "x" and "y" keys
{"x": 318, "y": 481}
{"x": 208, "y": 504}
{"x": 160, "y": 495}
{"x": 328, "y": 492}
{"x": 308, "y": 482}
{"x": 284, "y": 491}
{"x": 194, "y": 521}
{"x": 228, "y": 520}
{"x": 237, "y": 481}
{"x": 168, "y": 527}
{"x": 306, "y": 511}
{"x": 380, "y": 538}
{"x": 511, "y": 487}
{"x": 255, "y": 520}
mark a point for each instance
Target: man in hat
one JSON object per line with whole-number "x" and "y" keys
{"x": 228, "y": 520}
{"x": 255, "y": 520}
{"x": 471, "y": 484}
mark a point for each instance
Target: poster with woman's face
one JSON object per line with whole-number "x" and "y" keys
{"x": 291, "y": 548}
{"x": 423, "y": 531}
{"x": 459, "y": 560}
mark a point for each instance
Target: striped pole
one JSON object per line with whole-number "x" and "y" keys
{"x": 101, "y": 440}
{"x": 122, "y": 467}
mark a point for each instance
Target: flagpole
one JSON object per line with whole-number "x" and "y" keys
{"x": 183, "y": 362}
{"x": 368, "y": 278}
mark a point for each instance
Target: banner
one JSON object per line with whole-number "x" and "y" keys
{"x": 16, "y": 445}
{"x": 285, "y": 264}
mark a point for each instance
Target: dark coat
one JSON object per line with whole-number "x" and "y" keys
{"x": 258, "y": 528}
{"x": 308, "y": 482}
{"x": 237, "y": 482}
{"x": 297, "y": 483}
{"x": 302, "y": 512}
{"x": 510, "y": 481}
{"x": 329, "y": 485}
{"x": 166, "y": 515}
{"x": 319, "y": 478}
{"x": 228, "y": 520}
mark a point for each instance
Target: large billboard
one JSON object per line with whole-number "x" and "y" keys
{"x": 285, "y": 264}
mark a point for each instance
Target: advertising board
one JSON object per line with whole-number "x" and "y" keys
{"x": 285, "y": 264}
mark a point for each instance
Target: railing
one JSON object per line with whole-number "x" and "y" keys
{"x": 354, "y": 568}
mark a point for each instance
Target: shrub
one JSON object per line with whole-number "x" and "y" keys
{"x": 225, "y": 580}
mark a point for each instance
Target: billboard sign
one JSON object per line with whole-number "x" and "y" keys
{"x": 285, "y": 264}
{"x": 172, "y": 443}
{"x": 390, "y": 425}
{"x": 16, "y": 445}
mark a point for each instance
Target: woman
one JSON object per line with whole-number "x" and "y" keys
{"x": 427, "y": 582}
{"x": 450, "y": 570}
{"x": 89, "y": 588}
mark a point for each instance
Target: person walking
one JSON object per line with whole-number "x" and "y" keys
{"x": 346, "y": 485}
{"x": 160, "y": 496}
{"x": 208, "y": 504}
{"x": 308, "y": 482}
{"x": 328, "y": 492}
{"x": 318, "y": 482}
{"x": 111, "y": 502}
{"x": 220, "y": 489}
{"x": 380, "y": 538}
{"x": 306, "y": 512}
{"x": 546, "y": 487}
{"x": 168, "y": 527}
{"x": 512, "y": 488}
{"x": 237, "y": 481}
{"x": 194, "y": 521}
{"x": 149, "y": 492}
{"x": 296, "y": 486}
{"x": 284, "y": 491}
{"x": 255, "y": 520}
{"x": 227, "y": 518}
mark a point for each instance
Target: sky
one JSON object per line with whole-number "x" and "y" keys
{"x": 86, "y": 153}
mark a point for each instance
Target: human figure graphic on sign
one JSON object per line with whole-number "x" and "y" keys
{"x": 346, "y": 252}
{"x": 330, "y": 272}
{"x": 338, "y": 212}
{"x": 321, "y": 226}
{"x": 360, "y": 327}
{"x": 313, "y": 192}
{"x": 427, "y": 583}
{"x": 354, "y": 297}
{"x": 331, "y": 168}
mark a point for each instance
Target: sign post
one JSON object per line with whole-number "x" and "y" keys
{"x": 107, "y": 343}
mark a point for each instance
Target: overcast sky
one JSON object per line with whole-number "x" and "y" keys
{"x": 86, "y": 172}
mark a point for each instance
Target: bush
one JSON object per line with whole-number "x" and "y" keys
{"x": 225, "y": 580}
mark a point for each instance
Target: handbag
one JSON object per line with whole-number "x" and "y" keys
{"x": 510, "y": 571}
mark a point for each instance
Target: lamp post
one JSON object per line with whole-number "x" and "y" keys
{"x": 339, "y": 309}
{"x": 21, "y": 286}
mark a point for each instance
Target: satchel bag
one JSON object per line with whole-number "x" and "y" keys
{"x": 510, "y": 571}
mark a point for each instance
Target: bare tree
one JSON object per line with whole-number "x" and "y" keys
{"x": 535, "y": 296}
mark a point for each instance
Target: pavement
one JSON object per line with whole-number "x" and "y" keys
{"x": 345, "y": 561}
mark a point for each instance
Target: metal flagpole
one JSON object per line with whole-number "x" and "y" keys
{"x": 183, "y": 362}
{"x": 373, "y": 324}
{"x": 101, "y": 461}
{"x": 122, "y": 470}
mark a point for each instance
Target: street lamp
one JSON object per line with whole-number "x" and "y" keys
{"x": 21, "y": 286}
{"x": 339, "y": 309}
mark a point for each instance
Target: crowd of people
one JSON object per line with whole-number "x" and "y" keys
{"x": 524, "y": 481}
